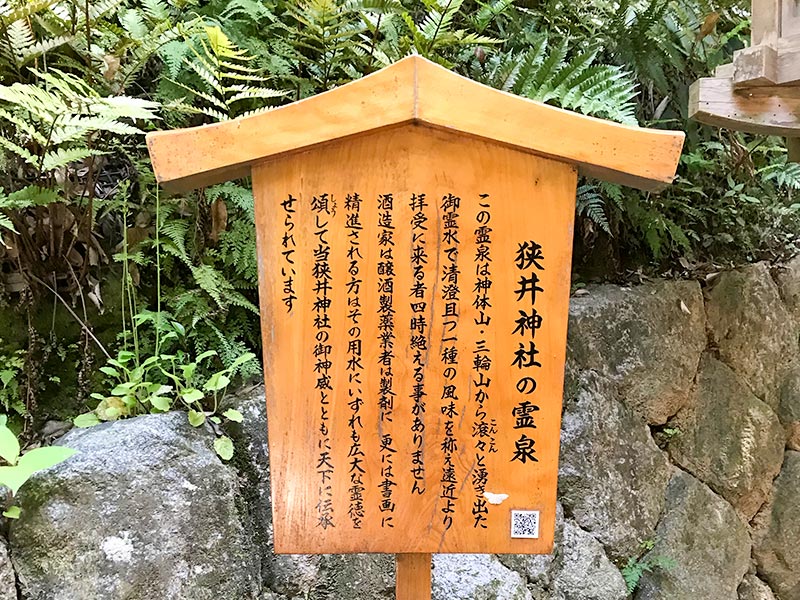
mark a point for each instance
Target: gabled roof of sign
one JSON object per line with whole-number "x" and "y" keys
{"x": 416, "y": 91}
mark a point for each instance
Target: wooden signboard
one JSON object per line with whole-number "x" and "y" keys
{"x": 414, "y": 245}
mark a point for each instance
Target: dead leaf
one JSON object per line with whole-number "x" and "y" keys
{"x": 581, "y": 292}
{"x": 219, "y": 219}
{"x": 112, "y": 66}
{"x": 708, "y": 25}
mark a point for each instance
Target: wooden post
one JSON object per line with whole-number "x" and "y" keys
{"x": 793, "y": 146}
{"x": 413, "y": 577}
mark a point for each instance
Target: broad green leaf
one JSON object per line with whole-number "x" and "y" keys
{"x": 215, "y": 419}
{"x": 233, "y": 415}
{"x": 14, "y": 477}
{"x": 161, "y": 402}
{"x": 192, "y": 395}
{"x": 196, "y": 418}
{"x": 244, "y": 358}
{"x": 217, "y": 381}
{"x": 12, "y": 513}
{"x": 110, "y": 371}
{"x": 6, "y": 376}
{"x": 3, "y": 420}
{"x": 86, "y": 420}
{"x": 224, "y": 447}
{"x": 124, "y": 356}
{"x": 9, "y": 445}
{"x": 113, "y": 413}
{"x": 44, "y": 458}
{"x": 207, "y": 354}
{"x": 122, "y": 389}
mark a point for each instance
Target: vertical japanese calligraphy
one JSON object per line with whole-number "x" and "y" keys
{"x": 420, "y": 329}
{"x": 484, "y": 428}
{"x": 322, "y": 207}
{"x": 451, "y": 295}
{"x": 386, "y": 355}
{"x": 415, "y": 326}
{"x": 528, "y": 261}
{"x": 355, "y": 366}
{"x": 288, "y": 248}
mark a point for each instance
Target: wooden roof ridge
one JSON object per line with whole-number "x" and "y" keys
{"x": 416, "y": 91}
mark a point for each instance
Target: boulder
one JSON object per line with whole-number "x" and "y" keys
{"x": 747, "y": 322}
{"x": 8, "y": 581}
{"x": 706, "y": 545}
{"x": 144, "y": 510}
{"x": 789, "y": 409}
{"x": 788, "y": 279}
{"x": 752, "y": 588}
{"x": 612, "y": 476}
{"x": 729, "y": 439}
{"x": 355, "y": 577}
{"x": 777, "y": 550}
{"x": 582, "y": 571}
{"x": 647, "y": 339}
{"x": 475, "y": 577}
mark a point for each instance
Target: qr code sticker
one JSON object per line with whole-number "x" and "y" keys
{"x": 525, "y": 524}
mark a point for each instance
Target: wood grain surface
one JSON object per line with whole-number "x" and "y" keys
{"x": 415, "y": 90}
{"x": 523, "y": 200}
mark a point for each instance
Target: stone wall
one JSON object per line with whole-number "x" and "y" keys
{"x": 680, "y": 456}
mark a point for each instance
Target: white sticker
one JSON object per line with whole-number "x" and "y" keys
{"x": 525, "y": 524}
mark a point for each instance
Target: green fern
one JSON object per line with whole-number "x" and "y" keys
{"x": 544, "y": 73}
{"x": 228, "y": 86}
{"x": 784, "y": 174}
{"x": 48, "y": 126}
{"x": 590, "y": 204}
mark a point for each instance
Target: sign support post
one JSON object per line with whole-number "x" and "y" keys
{"x": 414, "y": 245}
{"x": 413, "y": 577}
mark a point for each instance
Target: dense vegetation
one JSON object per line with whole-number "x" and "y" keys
{"x": 84, "y": 230}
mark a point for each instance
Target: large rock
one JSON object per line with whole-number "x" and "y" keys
{"x": 705, "y": 541}
{"x": 582, "y": 571}
{"x": 647, "y": 339}
{"x": 8, "y": 583}
{"x": 752, "y": 588}
{"x": 355, "y": 577}
{"x": 777, "y": 537}
{"x": 789, "y": 409}
{"x": 752, "y": 329}
{"x": 144, "y": 510}
{"x": 788, "y": 280}
{"x": 612, "y": 476}
{"x": 475, "y": 577}
{"x": 729, "y": 439}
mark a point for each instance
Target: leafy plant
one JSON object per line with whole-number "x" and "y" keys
{"x": 11, "y": 366}
{"x": 544, "y": 73}
{"x": 637, "y": 566}
{"x": 164, "y": 382}
{"x": 20, "y": 468}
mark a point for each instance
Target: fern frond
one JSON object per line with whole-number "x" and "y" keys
{"x": 18, "y": 151}
{"x": 590, "y": 204}
{"x": 10, "y": 13}
{"x": 62, "y": 157}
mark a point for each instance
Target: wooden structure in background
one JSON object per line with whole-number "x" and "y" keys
{"x": 760, "y": 91}
{"x": 414, "y": 245}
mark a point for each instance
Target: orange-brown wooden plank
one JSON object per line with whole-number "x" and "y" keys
{"x": 527, "y": 198}
{"x": 413, "y": 577}
{"x": 416, "y": 90}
